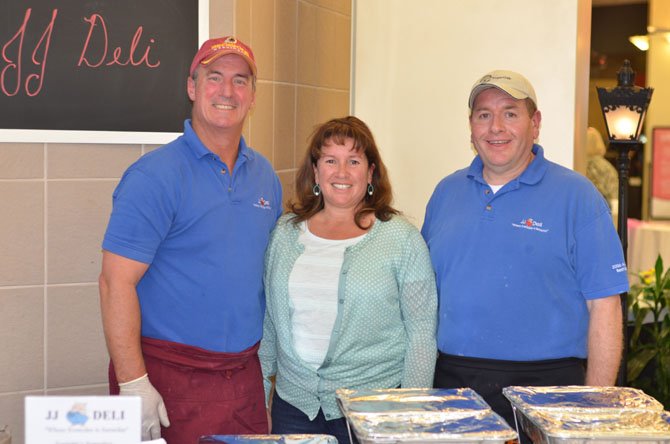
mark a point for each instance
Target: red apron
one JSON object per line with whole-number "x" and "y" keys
{"x": 205, "y": 393}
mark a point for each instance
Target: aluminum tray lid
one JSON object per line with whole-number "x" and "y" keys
{"x": 580, "y": 398}
{"x": 269, "y": 439}
{"x": 389, "y": 401}
{"x": 422, "y": 415}
{"x": 582, "y": 412}
{"x": 613, "y": 425}
{"x": 437, "y": 427}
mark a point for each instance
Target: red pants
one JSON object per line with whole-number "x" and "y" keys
{"x": 205, "y": 393}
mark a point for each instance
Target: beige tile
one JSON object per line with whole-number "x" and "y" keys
{"x": 333, "y": 54}
{"x": 21, "y": 160}
{"x": 287, "y": 179}
{"x": 326, "y": 53}
{"x": 149, "y": 148}
{"x": 308, "y": 44}
{"x": 22, "y": 233}
{"x": 76, "y": 353}
{"x": 262, "y": 36}
{"x": 22, "y": 344}
{"x": 339, "y": 66}
{"x": 261, "y": 121}
{"x": 78, "y": 160}
{"x": 78, "y": 212}
{"x": 333, "y": 104}
{"x": 323, "y": 47}
{"x": 285, "y": 41}
{"x": 314, "y": 107}
{"x": 284, "y": 140}
{"x": 341, "y": 6}
{"x": 221, "y": 17}
{"x": 306, "y": 120}
{"x": 300, "y": 155}
{"x": 11, "y": 414}
{"x": 90, "y": 390}
{"x": 243, "y": 21}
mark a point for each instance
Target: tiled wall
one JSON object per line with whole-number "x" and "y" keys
{"x": 303, "y": 53}
{"x": 55, "y": 198}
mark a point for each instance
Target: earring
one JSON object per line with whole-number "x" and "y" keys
{"x": 371, "y": 189}
{"x": 316, "y": 189}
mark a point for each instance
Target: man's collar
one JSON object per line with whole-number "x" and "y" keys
{"x": 200, "y": 150}
{"x": 531, "y": 175}
{"x": 536, "y": 169}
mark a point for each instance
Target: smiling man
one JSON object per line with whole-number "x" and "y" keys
{"x": 528, "y": 264}
{"x": 181, "y": 286}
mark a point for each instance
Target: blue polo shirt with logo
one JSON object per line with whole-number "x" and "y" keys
{"x": 514, "y": 269}
{"x": 203, "y": 233}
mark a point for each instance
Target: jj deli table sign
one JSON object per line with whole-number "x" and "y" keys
{"x": 83, "y": 419}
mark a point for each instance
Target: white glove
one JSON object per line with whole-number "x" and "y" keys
{"x": 153, "y": 408}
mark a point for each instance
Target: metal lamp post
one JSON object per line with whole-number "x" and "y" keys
{"x": 624, "y": 108}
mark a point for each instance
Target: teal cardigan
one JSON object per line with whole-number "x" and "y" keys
{"x": 384, "y": 332}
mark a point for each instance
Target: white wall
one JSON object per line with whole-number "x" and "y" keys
{"x": 414, "y": 63}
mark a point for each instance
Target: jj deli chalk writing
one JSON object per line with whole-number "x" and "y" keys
{"x": 25, "y": 64}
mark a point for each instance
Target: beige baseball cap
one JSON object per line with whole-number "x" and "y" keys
{"x": 509, "y": 82}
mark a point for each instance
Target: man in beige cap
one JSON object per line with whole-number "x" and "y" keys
{"x": 181, "y": 286}
{"x": 528, "y": 264}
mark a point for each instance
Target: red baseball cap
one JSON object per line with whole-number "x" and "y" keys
{"x": 212, "y": 49}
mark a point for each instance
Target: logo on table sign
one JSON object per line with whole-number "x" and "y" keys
{"x": 263, "y": 204}
{"x": 82, "y": 418}
{"x": 531, "y": 224}
{"x": 77, "y": 414}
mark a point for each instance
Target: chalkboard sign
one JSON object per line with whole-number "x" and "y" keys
{"x": 96, "y": 65}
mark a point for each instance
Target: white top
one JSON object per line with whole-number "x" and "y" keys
{"x": 312, "y": 288}
{"x": 496, "y": 188}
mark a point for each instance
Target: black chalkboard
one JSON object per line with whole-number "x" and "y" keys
{"x": 101, "y": 65}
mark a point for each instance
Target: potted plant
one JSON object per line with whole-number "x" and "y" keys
{"x": 649, "y": 347}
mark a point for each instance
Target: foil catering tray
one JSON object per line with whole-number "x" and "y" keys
{"x": 577, "y": 414}
{"x": 268, "y": 439}
{"x": 422, "y": 416}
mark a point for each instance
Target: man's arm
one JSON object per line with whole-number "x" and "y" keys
{"x": 121, "y": 314}
{"x": 605, "y": 341}
{"x": 121, "y": 322}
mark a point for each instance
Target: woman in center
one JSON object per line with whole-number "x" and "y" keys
{"x": 351, "y": 297}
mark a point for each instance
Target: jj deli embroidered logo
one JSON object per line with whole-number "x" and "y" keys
{"x": 531, "y": 224}
{"x": 263, "y": 204}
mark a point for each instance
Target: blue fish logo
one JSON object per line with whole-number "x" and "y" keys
{"x": 77, "y": 414}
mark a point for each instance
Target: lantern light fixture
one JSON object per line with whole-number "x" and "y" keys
{"x": 624, "y": 108}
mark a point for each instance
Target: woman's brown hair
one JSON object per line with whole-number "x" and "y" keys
{"x": 306, "y": 204}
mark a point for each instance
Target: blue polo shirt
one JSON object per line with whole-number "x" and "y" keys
{"x": 514, "y": 269}
{"x": 204, "y": 234}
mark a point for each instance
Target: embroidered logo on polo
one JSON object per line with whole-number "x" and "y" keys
{"x": 531, "y": 224}
{"x": 620, "y": 267}
{"x": 263, "y": 204}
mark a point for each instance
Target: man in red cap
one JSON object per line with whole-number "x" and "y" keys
{"x": 181, "y": 285}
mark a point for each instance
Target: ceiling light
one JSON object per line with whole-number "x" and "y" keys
{"x": 641, "y": 41}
